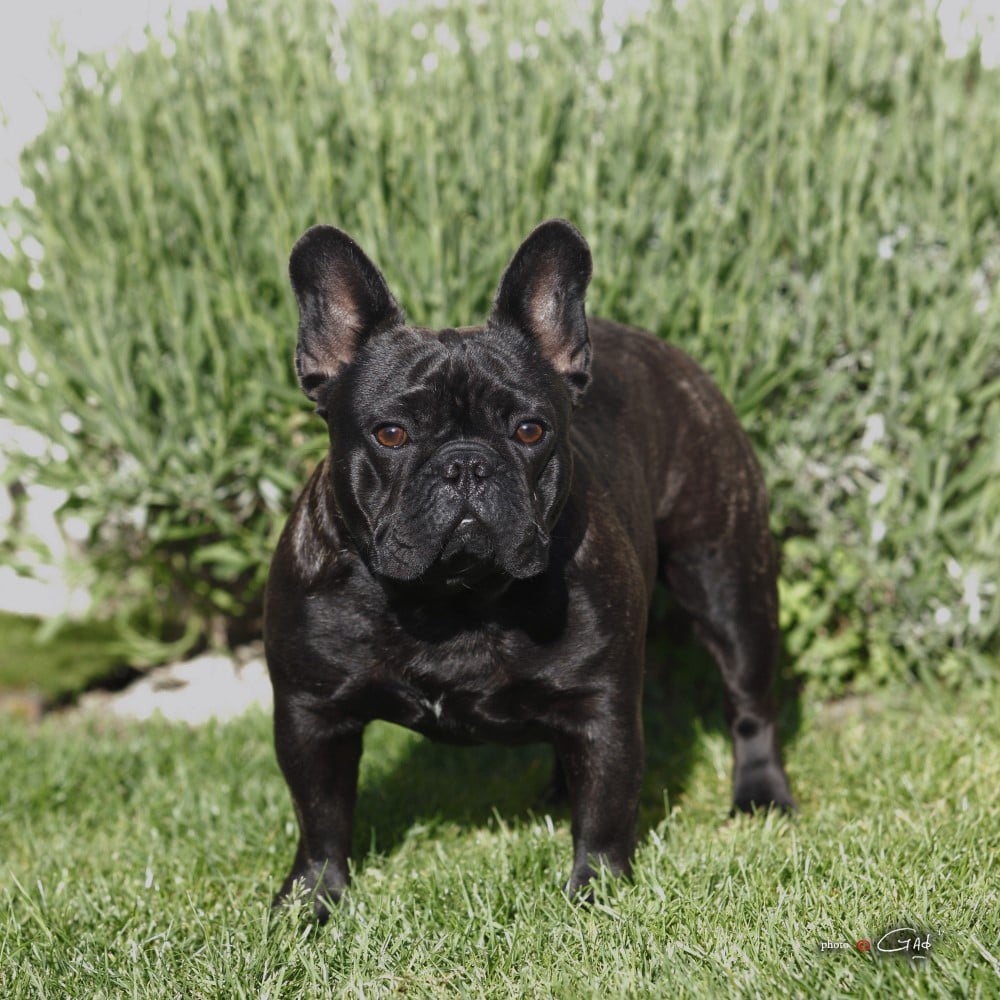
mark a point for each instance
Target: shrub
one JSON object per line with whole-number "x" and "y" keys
{"x": 805, "y": 200}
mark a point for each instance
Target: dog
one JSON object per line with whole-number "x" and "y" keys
{"x": 474, "y": 558}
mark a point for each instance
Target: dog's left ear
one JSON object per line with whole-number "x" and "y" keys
{"x": 542, "y": 294}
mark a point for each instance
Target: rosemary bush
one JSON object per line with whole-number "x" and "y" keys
{"x": 806, "y": 200}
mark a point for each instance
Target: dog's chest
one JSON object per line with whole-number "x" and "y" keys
{"x": 469, "y": 690}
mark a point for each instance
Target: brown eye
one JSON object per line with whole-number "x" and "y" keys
{"x": 529, "y": 432}
{"x": 391, "y": 436}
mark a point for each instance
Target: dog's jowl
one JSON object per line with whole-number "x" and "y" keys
{"x": 474, "y": 557}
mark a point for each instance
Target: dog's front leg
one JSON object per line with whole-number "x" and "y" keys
{"x": 603, "y": 768}
{"x": 319, "y": 759}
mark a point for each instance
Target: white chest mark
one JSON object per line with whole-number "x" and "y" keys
{"x": 434, "y": 707}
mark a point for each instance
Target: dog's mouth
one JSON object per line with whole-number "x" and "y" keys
{"x": 470, "y": 553}
{"x": 470, "y": 536}
{"x": 473, "y": 553}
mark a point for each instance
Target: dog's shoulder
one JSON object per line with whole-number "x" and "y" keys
{"x": 628, "y": 349}
{"x": 312, "y": 549}
{"x": 646, "y": 374}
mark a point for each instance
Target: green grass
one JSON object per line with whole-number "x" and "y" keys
{"x": 806, "y": 204}
{"x": 140, "y": 861}
{"x": 56, "y": 667}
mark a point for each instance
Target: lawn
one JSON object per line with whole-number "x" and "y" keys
{"x": 56, "y": 668}
{"x": 140, "y": 861}
{"x": 800, "y": 195}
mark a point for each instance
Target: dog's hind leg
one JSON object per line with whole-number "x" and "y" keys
{"x": 730, "y": 591}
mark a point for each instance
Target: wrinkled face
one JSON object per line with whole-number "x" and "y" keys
{"x": 450, "y": 460}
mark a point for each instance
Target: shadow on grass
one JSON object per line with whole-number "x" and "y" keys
{"x": 439, "y": 784}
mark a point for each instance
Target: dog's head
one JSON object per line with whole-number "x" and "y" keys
{"x": 449, "y": 454}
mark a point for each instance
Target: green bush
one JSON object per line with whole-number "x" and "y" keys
{"x": 805, "y": 200}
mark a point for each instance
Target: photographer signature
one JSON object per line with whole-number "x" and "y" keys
{"x": 905, "y": 941}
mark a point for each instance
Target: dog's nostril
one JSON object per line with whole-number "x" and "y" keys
{"x": 465, "y": 467}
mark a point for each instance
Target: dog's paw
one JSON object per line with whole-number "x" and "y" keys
{"x": 320, "y": 893}
{"x": 761, "y": 789}
{"x": 591, "y": 873}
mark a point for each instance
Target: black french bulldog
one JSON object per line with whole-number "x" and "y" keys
{"x": 475, "y": 556}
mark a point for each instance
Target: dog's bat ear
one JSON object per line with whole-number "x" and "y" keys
{"x": 542, "y": 294}
{"x": 343, "y": 299}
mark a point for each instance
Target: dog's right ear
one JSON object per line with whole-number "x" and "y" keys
{"x": 343, "y": 299}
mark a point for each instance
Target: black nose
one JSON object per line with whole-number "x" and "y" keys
{"x": 459, "y": 468}
{"x": 466, "y": 466}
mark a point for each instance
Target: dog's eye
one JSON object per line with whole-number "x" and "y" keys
{"x": 391, "y": 436}
{"x": 529, "y": 432}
